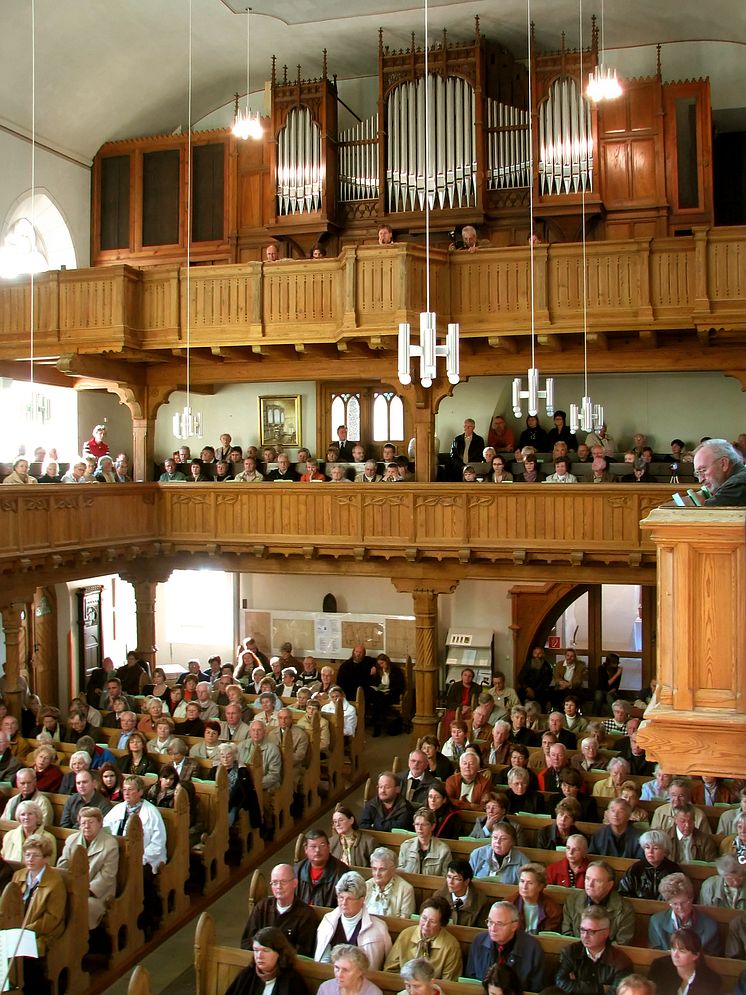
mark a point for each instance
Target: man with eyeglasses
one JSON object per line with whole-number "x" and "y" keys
{"x": 720, "y": 467}
{"x": 284, "y": 910}
{"x": 506, "y": 944}
{"x": 468, "y": 905}
{"x": 594, "y": 964}
{"x": 599, "y": 890}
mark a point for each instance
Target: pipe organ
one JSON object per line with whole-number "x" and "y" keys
{"x": 358, "y": 161}
{"x": 565, "y": 140}
{"x": 299, "y": 180}
{"x": 643, "y": 163}
{"x": 446, "y": 166}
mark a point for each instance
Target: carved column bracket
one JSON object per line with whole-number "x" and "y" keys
{"x": 425, "y": 599}
{"x": 14, "y": 618}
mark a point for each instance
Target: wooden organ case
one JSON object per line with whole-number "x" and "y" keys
{"x": 643, "y": 162}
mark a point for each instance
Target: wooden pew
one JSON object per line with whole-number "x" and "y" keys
{"x": 248, "y": 839}
{"x": 139, "y": 983}
{"x": 210, "y": 852}
{"x": 172, "y": 876}
{"x": 65, "y": 956}
{"x": 11, "y": 917}
{"x": 217, "y": 966}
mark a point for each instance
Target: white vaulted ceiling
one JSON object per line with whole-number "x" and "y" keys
{"x": 108, "y": 69}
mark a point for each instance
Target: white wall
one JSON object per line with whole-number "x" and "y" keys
{"x": 663, "y": 406}
{"x": 235, "y": 409}
{"x": 67, "y": 183}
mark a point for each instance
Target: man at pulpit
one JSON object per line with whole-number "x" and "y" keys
{"x": 720, "y": 467}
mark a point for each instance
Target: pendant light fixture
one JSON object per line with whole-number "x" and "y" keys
{"x": 187, "y": 424}
{"x": 428, "y": 350}
{"x": 245, "y": 124}
{"x": 533, "y": 394}
{"x": 587, "y": 415}
{"x": 603, "y": 83}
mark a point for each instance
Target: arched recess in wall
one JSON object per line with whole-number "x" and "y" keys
{"x": 537, "y": 609}
{"x": 35, "y": 237}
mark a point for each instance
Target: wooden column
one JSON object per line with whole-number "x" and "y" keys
{"x": 14, "y": 627}
{"x": 423, "y": 403}
{"x": 697, "y": 724}
{"x": 145, "y": 591}
{"x": 425, "y": 599}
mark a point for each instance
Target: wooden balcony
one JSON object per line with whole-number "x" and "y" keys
{"x": 519, "y": 531}
{"x": 637, "y": 289}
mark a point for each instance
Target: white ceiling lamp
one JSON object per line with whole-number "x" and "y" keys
{"x": 245, "y": 124}
{"x": 533, "y": 395}
{"x": 587, "y": 415}
{"x": 603, "y": 83}
{"x": 428, "y": 350}
{"x": 187, "y": 424}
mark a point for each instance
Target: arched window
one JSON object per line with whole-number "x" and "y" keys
{"x": 35, "y": 238}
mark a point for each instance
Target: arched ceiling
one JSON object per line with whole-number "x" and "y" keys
{"x": 108, "y": 69}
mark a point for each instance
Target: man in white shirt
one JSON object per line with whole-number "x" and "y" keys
{"x": 154, "y": 844}
{"x": 250, "y": 474}
{"x": 349, "y": 712}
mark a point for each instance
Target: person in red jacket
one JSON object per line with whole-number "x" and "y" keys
{"x": 96, "y": 445}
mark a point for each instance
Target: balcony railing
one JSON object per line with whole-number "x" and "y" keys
{"x": 697, "y": 282}
{"x": 47, "y": 527}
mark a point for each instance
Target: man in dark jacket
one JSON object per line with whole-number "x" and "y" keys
{"x": 535, "y": 677}
{"x": 594, "y": 965}
{"x": 619, "y": 838}
{"x": 319, "y": 872}
{"x": 389, "y": 809}
{"x": 296, "y": 920}
{"x": 466, "y": 448}
{"x": 505, "y": 943}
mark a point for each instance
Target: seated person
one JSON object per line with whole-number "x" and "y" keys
{"x": 350, "y": 922}
{"x": 102, "y": 852}
{"x": 617, "y": 725}
{"x": 348, "y": 842}
{"x": 467, "y": 788}
{"x": 389, "y": 809}
{"x": 643, "y": 879}
{"x": 505, "y": 698}
{"x": 537, "y": 912}
{"x": 521, "y": 798}
{"x": 456, "y": 744}
{"x": 685, "y": 970}
{"x": 619, "y": 838}
{"x": 708, "y": 790}
{"x": 521, "y": 733}
{"x": 561, "y": 473}
{"x": 679, "y": 793}
{"x": 424, "y": 854}
{"x": 137, "y": 760}
{"x": 500, "y": 860}
{"x": 438, "y": 765}
{"x": 570, "y": 871}
{"x": 594, "y": 964}
{"x": 273, "y": 966}
{"x": 611, "y": 787}
{"x": 726, "y": 889}
{"x": 44, "y": 904}
{"x": 556, "y": 834}
{"x": 31, "y": 819}
{"x": 686, "y": 842}
{"x": 550, "y": 776}
{"x": 387, "y": 893}
{"x": 430, "y": 939}
{"x": 241, "y": 791}
{"x": 48, "y": 773}
{"x": 447, "y": 821}
{"x": 500, "y": 746}
{"x": 517, "y": 950}
{"x": 658, "y": 787}
{"x": 738, "y": 841}
{"x": 495, "y": 812}
{"x": 350, "y": 978}
{"x": 481, "y": 730}
{"x": 678, "y": 891}
{"x": 519, "y": 757}
{"x": 631, "y": 794}
{"x": 572, "y": 720}
{"x": 468, "y": 906}
{"x": 599, "y": 888}
{"x": 530, "y": 472}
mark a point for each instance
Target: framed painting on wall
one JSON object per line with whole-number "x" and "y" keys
{"x": 279, "y": 420}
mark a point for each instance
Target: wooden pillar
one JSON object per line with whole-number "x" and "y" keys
{"x": 145, "y": 592}
{"x": 696, "y": 724}
{"x": 425, "y": 599}
{"x": 143, "y": 448}
{"x": 422, "y": 404}
{"x": 14, "y": 627}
